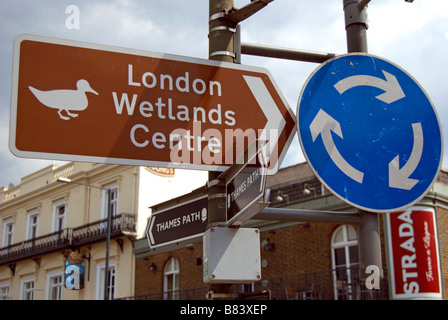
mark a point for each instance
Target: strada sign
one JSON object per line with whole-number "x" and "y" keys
{"x": 413, "y": 254}
{"x": 81, "y": 101}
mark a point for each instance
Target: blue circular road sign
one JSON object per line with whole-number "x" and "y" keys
{"x": 369, "y": 132}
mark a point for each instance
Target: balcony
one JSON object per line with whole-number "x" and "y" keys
{"x": 122, "y": 224}
{"x": 69, "y": 238}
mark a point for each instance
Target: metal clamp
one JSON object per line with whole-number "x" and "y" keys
{"x": 217, "y": 195}
{"x": 215, "y": 182}
{"x": 217, "y": 16}
{"x": 222, "y": 53}
{"x": 222, "y": 28}
{"x": 355, "y": 13}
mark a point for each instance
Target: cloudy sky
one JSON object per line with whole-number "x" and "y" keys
{"x": 412, "y": 35}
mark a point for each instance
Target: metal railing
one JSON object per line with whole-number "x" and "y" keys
{"x": 340, "y": 284}
{"x": 97, "y": 231}
{"x": 68, "y": 238}
{"x": 317, "y": 285}
{"x": 34, "y": 247}
{"x": 199, "y": 293}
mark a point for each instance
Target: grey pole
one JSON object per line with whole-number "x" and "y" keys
{"x": 285, "y": 53}
{"x": 355, "y": 13}
{"x": 221, "y": 41}
{"x": 303, "y": 215}
{"x": 106, "y": 268}
{"x": 369, "y": 241}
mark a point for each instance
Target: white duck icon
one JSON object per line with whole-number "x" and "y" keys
{"x": 65, "y": 99}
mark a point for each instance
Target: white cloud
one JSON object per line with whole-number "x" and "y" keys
{"x": 414, "y": 36}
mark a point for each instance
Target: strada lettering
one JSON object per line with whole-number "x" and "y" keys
{"x": 414, "y": 253}
{"x": 408, "y": 263}
{"x": 427, "y": 242}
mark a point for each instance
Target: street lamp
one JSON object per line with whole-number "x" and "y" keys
{"x": 109, "y": 222}
{"x": 307, "y": 190}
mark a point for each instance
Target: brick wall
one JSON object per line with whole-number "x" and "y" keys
{"x": 190, "y": 264}
{"x": 442, "y": 221}
{"x": 296, "y": 249}
{"x": 299, "y": 248}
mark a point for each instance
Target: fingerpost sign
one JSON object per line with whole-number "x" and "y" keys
{"x": 79, "y": 101}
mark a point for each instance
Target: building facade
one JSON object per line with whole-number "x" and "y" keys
{"x": 302, "y": 259}
{"x": 44, "y": 220}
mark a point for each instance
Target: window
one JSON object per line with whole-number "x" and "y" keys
{"x": 344, "y": 245}
{"x": 113, "y": 201}
{"x": 111, "y": 282}
{"x": 54, "y": 286}
{"x": 58, "y": 215}
{"x": 32, "y": 221}
{"x": 171, "y": 279}
{"x": 8, "y": 231}
{"x": 4, "y": 291}
{"x": 27, "y": 289}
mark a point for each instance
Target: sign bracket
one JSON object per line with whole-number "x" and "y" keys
{"x": 237, "y": 15}
{"x": 243, "y": 160}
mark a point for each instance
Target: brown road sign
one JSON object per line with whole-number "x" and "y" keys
{"x": 87, "y": 102}
{"x": 182, "y": 221}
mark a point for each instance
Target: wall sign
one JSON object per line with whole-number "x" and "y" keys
{"x": 413, "y": 254}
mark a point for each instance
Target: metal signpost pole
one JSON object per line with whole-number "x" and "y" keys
{"x": 356, "y": 25}
{"x": 106, "y": 267}
{"x": 369, "y": 243}
{"x": 220, "y": 49}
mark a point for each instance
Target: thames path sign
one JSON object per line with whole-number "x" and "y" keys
{"x": 183, "y": 222}
{"x": 369, "y": 132}
{"x": 80, "y": 101}
{"x": 245, "y": 189}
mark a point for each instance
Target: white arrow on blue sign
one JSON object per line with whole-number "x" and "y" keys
{"x": 369, "y": 132}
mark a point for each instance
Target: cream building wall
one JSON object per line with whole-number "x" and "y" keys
{"x": 166, "y": 188}
{"x": 40, "y": 193}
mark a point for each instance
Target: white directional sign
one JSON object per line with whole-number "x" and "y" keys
{"x": 369, "y": 132}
